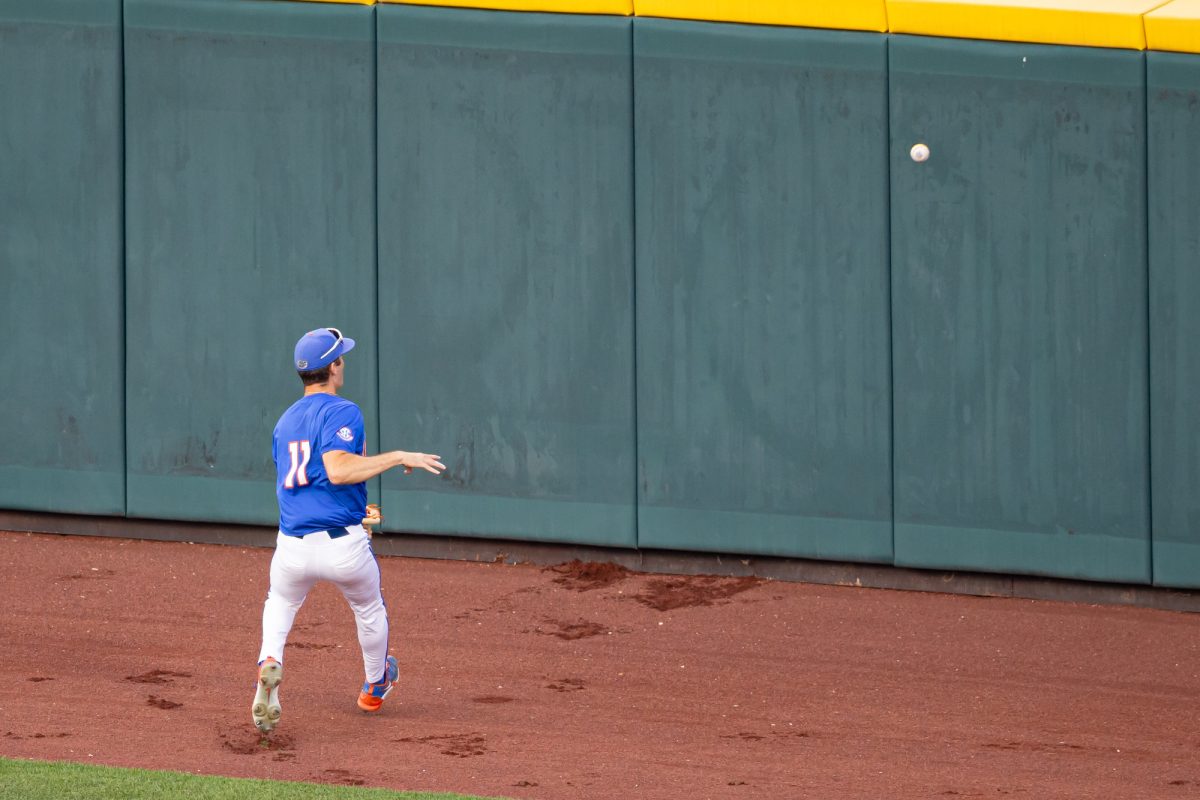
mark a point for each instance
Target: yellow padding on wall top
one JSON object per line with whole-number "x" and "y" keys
{"x": 1094, "y": 23}
{"x": 1175, "y": 26}
{"x": 619, "y": 7}
{"x": 858, "y": 15}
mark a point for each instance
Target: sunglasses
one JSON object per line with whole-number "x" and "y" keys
{"x": 336, "y": 341}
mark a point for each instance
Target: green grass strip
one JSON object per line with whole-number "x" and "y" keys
{"x": 61, "y": 780}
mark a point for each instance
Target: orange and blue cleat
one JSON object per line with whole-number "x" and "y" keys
{"x": 372, "y": 694}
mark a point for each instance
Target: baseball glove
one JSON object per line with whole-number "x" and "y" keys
{"x": 374, "y": 517}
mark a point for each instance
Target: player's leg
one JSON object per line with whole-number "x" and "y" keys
{"x": 291, "y": 580}
{"x": 357, "y": 575}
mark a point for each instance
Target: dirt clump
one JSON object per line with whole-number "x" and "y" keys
{"x": 339, "y": 777}
{"x": 248, "y": 742}
{"x": 583, "y": 576}
{"x": 578, "y": 630}
{"x": 458, "y": 745}
{"x": 667, "y": 594}
{"x": 162, "y": 702}
{"x": 157, "y": 676}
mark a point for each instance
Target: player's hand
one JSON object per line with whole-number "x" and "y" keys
{"x": 374, "y": 517}
{"x": 425, "y": 461}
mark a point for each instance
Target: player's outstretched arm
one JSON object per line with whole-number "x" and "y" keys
{"x": 343, "y": 467}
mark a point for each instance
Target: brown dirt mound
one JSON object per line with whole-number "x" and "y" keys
{"x": 156, "y": 676}
{"x": 90, "y": 575}
{"x": 666, "y": 594}
{"x": 574, "y": 630}
{"x": 340, "y": 777}
{"x": 162, "y": 702}
{"x": 583, "y": 576}
{"x": 245, "y": 742}
{"x": 19, "y": 737}
{"x": 458, "y": 745}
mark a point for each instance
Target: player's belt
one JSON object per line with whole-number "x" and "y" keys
{"x": 334, "y": 533}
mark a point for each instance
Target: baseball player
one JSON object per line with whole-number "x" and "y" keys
{"x": 321, "y": 470}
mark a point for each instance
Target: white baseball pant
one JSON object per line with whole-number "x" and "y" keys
{"x": 348, "y": 563}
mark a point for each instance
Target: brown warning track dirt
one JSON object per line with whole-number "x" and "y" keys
{"x": 583, "y": 576}
{"x": 589, "y": 681}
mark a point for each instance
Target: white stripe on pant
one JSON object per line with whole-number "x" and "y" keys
{"x": 348, "y": 563}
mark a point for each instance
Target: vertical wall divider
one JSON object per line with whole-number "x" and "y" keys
{"x": 124, "y": 279}
{"x": 634, "y": 265}
{"x": 887, "y": 146}
{"x": 378, "y": 444}
{"x": 1149, "y": 359}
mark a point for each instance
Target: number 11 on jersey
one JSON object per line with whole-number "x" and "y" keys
{"x": 297, "y": 474}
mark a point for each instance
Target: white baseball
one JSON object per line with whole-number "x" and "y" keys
{"x": 919, "y": 152}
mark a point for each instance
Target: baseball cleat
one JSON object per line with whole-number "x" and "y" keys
{"x": 372, "y": 694}
{"x": 266, "y": 708}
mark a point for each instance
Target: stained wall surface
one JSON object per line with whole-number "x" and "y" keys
{"x": 250, "y": 220}
{"x": 61, "y": 255}
{"x": 642, "y": 281}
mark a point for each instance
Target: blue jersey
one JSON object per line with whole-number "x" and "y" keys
{"x": 314, "y": 425}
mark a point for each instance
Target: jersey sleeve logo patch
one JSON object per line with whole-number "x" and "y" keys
{"x": 345, "y": 434}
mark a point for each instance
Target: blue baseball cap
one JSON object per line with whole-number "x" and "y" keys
{"x": 320, "y": 348}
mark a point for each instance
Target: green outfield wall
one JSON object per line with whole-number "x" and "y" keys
{"x": 506, "y": 280}
{"x": 250, "y": 212}
{"x": 1174, "y": 206}
{"x": 1019, "y": 308}
{"x": 762, "y": 293}
{"x": 642, "y": 282}
{"x": 61, "y": 255}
